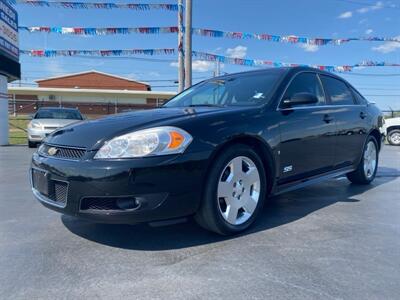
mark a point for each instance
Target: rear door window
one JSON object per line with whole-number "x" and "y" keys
{"x": 359, "y": 99}
{"x": 337, "y": 91}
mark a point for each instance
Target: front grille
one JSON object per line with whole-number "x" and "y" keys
{"x": 62, "y": 152}
{"x": 108, "y": 203}
{"x": 53, "y": 190}
{"x": 60, "y": 191}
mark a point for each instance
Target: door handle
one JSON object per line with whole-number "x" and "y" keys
{"x": 328, "y": 118}
{"x": 363, "y": 115}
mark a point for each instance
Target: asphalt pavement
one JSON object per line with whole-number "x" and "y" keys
{"x": 334, "y": 240}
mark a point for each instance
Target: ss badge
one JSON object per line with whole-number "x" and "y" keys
{"x": 288, "y": 169}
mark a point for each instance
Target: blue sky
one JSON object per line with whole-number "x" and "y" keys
{"x": 310, "y": 18}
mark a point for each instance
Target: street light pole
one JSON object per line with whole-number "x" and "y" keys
{"x": 188, "y": 43}
{"x": 181, "y": 54}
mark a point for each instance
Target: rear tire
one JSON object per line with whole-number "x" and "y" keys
{"x": 32, "y": 144}
{"x": 234, "y": 192}
{"x": 366, "y": 170}
{"x": 394, "y": 137}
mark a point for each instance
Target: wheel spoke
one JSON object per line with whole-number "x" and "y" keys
{"x": 250, "y": 204}
{"x": 224, "y": 190}
{"x": 236, "y": 167}
{"x": 231, "y": 214}
{"x": 251, "y": 177}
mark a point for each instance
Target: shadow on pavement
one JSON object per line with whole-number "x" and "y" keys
{"x": 279, "y": 210}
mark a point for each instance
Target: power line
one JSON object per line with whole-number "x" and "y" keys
{"x": 379, "y": 89}
{"x": 369, "y": 4}
{"x": 382, "y": 95}
{"x": 373, "y": 75}
{"x": 119, "y": 74}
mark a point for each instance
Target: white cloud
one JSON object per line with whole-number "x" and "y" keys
{"x": 154, "y": 74}
{"x": 369, "y": 31}
{"x": 53, "y": 67}
{"x": 199, "y": 65}
{"x": 237, "y": 52}
{"x": 309, "y": 47}
{"x": 388, "y": 46}
{"x": 376, "y": 6}
{"x": 345, "y": 15}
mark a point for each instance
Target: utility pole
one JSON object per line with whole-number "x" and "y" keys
{"x": 188, "y": 43}
{"x": 181, "y": 53}
{"x": 217, "y": 68}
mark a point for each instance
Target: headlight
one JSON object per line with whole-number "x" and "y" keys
{"x": 147, "y": 142}
{"x": 34, "y": 125}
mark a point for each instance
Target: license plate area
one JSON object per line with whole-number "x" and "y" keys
{"x": 40, "y": 182}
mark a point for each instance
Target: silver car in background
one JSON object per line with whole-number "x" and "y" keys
{"x": 48, "y": 119}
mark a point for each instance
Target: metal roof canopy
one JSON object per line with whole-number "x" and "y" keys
{"x": 89, "y": 92}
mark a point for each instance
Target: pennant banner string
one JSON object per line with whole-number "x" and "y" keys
{"x": 203, "y": 32}
{"x": 98, "y": 5}
{"x": 101, "y": 31}
{"x": 258, "y": 62}
{"x": 201, "y": 56}
{"x": 103, "y": 53}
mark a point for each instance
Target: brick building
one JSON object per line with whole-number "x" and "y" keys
{"x": 92, "y": 92}
{"x": 93, "y": 80}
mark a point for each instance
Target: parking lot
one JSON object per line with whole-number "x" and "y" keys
{"x": 333, "y": 240}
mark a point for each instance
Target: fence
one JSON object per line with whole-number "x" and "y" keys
{"x": 29, "y": 106}
{"x": 391, "y": 113}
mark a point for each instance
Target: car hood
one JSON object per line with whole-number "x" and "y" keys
{"x": 392, "y": 121}
{"x": 54, "y": 122}
{"x": 92, "y": 134}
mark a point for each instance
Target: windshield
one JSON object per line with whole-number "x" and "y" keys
{"x": 239, "y": 90}
{"x": 58, "y": 114}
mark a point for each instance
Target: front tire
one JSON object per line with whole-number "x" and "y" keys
{"x": 235, "y": 191}
{"x": 366, "y": 170}
{"x": 394, "y": 137}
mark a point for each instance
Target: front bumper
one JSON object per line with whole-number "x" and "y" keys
{"x": 38, "y": 135}
{"x": 162, "y": 187}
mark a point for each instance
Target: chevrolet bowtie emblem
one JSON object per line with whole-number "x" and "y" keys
{"x": 52, "y": 151}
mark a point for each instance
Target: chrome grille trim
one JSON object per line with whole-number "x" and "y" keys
{"x": 63, "y": 152}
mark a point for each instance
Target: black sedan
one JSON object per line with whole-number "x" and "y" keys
{"x": 216, "y": 151}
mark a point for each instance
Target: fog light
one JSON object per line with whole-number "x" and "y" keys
{"x": 127, "y": 203}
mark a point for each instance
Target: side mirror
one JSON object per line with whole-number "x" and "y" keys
{"x": 300, "y": 99}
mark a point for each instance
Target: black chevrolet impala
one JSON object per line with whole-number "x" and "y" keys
{"x": 216, "y": 151}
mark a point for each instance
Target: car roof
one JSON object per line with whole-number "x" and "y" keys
{"x": 281, "y": 70}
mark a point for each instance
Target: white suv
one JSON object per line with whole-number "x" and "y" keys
{"x": 391, "y": 129}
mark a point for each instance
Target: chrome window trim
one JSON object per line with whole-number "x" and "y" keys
{"x": 319, "y": 106}
{"x": 43, "y": 198}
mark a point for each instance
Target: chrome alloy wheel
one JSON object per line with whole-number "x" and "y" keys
{"x": 238, "y": 190}
{"x": 395, "y": 138}
{"x": 370, "y": 160}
